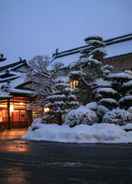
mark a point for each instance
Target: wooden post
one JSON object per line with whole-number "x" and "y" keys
{"x": 8, "y": 114}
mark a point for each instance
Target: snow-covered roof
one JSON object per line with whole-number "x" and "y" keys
{"x": 10, "y": 65}
{"x": 65, "y": 60}
{"x": 19, "y": 79}
{"x": 119, "y": 48}
{"x": 13, "y": 79}
{"x": 4, "y": 63}
{"x": 114, "y": 47}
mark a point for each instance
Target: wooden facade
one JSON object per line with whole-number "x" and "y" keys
{"x": 14, "y": 112}
{"x": 15, "y": 96}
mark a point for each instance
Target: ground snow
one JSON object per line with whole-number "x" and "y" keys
{"x": 97, "y": 133}
{"x": 127, "y": 126}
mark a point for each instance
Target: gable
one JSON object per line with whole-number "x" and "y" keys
{"x": 26, "y": 85}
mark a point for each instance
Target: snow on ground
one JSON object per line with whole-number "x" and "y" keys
{"x": 97, "y": 133}
{"x": 127, "y": 126}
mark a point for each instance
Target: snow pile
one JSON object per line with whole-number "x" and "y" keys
{"x": 81, "y": 115}
{"x": 97, "y": 133}
{"x": 127, "y": 127}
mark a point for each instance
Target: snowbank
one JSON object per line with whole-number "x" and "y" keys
{"x": 97, "y": 133}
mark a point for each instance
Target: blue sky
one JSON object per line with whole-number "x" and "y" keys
{"x": 32, "y": 27}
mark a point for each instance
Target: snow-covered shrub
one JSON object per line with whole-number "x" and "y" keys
{"x": 117, "y": 116}
{"x": 126, "y": 101}
{"x": 82, "y": 115}
{"x": 92, "y": 106}
{"x": 129, "y": 109}
{"x": 101, "y": 110}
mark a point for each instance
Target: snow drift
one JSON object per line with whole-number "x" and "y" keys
{"x": 97, "y": 133}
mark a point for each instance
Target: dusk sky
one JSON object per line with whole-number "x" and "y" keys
{"x": 33, "y": 27}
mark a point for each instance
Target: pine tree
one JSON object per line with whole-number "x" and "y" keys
{"x": 60, "y": 102}
{"x": 90, "y": 67}
{"x": 115, "y": 90}
{"x": 2, "y": 57}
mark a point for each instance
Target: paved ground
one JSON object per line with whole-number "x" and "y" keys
{"x": 23, "y": 162}
{"x": 12, "y": 134}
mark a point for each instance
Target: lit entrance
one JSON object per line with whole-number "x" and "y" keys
{"x": 14, "y": 112}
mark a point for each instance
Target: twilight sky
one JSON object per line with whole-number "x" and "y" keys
{"x": 32, "y": 27}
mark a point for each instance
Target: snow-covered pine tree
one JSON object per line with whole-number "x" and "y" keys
{"x": 90, "y": 67}
{"x": 122, "y": 83}
{"x": 2, "y": 57}
{"x": 60, "y": 102}
{"x": 114, "y": 94}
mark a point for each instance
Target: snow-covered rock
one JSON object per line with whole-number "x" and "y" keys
{"x": 97, "y": 133}
{"x": 117, "y": 116}
{"x": 81, "y": 115}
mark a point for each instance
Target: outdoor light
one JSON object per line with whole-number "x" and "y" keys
{"x": 21, "y": 103}
{"x": 74, "y": 84}
{"x": 11, "y": 108}
{"x": 46, "y": 109}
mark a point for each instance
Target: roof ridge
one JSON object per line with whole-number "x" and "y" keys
{"x": 109, "y": 41}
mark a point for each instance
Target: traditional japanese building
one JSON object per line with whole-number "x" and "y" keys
{"x": 15, "y": 94}
{"x": 118, "y": 54}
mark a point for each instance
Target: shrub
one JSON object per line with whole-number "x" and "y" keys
{"x": 82, "y": 115}
{"x": 117, "y": 116}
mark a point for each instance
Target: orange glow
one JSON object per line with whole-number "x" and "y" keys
{"x": 21, "y": 103}
{"x": 3, "y": 105}
{"x": 1, "y": 117}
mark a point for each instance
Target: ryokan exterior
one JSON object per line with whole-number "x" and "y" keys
{"x": 16, "y": 94}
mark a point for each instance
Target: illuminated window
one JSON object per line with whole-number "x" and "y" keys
{"x": 74, "y": 84}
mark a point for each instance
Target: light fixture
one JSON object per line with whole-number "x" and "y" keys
{"x": 11, "y": 108}
{"x": 46, "y": 109}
